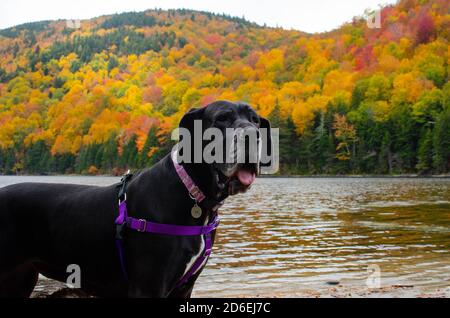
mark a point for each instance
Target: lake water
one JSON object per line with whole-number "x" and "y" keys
{"x": 294, "y": 234}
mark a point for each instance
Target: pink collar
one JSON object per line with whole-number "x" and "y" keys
{"x": 194, "y": 190}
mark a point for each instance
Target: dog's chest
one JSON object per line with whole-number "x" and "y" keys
{"x": 199, "y": 248}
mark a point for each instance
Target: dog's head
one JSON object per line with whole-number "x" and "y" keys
{"x": 243, "y": 136}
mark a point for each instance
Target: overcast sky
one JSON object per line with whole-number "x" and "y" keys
{"x": 303, "y": 15}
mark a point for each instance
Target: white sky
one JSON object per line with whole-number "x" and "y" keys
{"x": 303, "y": 15}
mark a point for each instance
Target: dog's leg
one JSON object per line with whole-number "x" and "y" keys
{"x": 20, "y": 282}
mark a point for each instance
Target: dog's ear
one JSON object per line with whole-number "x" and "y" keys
{"x": 266, "y": 141}
{"x": 188, "y": 119}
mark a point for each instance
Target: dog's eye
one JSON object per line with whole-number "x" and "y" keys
{"x": 254, "y": 119}
{"x": 222, "y": 117}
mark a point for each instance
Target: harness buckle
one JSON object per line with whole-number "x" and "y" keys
{"x": 142, "y": 228}
{"x": 194, "y": 192}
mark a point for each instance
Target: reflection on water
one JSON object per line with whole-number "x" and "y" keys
{"x": 290, "y": 234}
{"x": 302, "y": 233}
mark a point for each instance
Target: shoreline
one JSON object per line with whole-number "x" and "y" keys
{"x": 287, "y": 176}
{"x": 47, "y": 288}
{"x": 356, "y": 176}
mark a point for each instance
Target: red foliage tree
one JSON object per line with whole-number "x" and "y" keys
{"x": 425, "y": 29}
{"x": 364, "y": 57}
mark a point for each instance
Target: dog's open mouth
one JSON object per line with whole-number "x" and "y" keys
{"x": 246, "y": 175}
{"x": 242, "y": 179}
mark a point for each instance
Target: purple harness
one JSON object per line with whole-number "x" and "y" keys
{"x": 142, "y": 225}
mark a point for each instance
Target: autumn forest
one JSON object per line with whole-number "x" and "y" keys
{"x": 103, "y": 96}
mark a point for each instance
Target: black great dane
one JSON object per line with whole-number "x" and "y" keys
{"x": 46, "y": 227}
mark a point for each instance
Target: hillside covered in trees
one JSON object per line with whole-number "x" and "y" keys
{"x": 105, "y": 96}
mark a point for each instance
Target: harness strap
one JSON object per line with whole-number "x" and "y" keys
{"x": 121, "y": 250}
{"x": 120, "y": 220}
{"x": 141, "y": 225}
{"x": 169, "y": 229}
{"x": 198, "y": 262}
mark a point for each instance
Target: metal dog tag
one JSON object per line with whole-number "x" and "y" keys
{"x": 196, "y": 211}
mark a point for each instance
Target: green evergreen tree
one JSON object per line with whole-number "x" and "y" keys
{"x": 425, "y": 152}
{"x": 151, "y": 142}
{"x": 321, "y": 148}
{"x": 81, "y": 162}
{"x": 441, "y": 143}
{"x": 385, "y": 157}
{"x": 129, "y": 156}
{"x": 110, "y": 155}
{"x": 406, "y": 139}
{"x": 7, "y": 161}
{"x": 289, "y": 143}
{"x": 35, "y": 158}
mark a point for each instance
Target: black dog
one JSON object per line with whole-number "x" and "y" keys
{"x": 46, "y": 227}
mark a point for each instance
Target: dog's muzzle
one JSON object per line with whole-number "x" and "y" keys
{"x": 242, "y": 164}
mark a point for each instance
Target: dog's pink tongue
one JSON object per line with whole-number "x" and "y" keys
{"x": 246, "y": 177}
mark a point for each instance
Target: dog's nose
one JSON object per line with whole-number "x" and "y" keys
{"x": 248, "y": 129}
